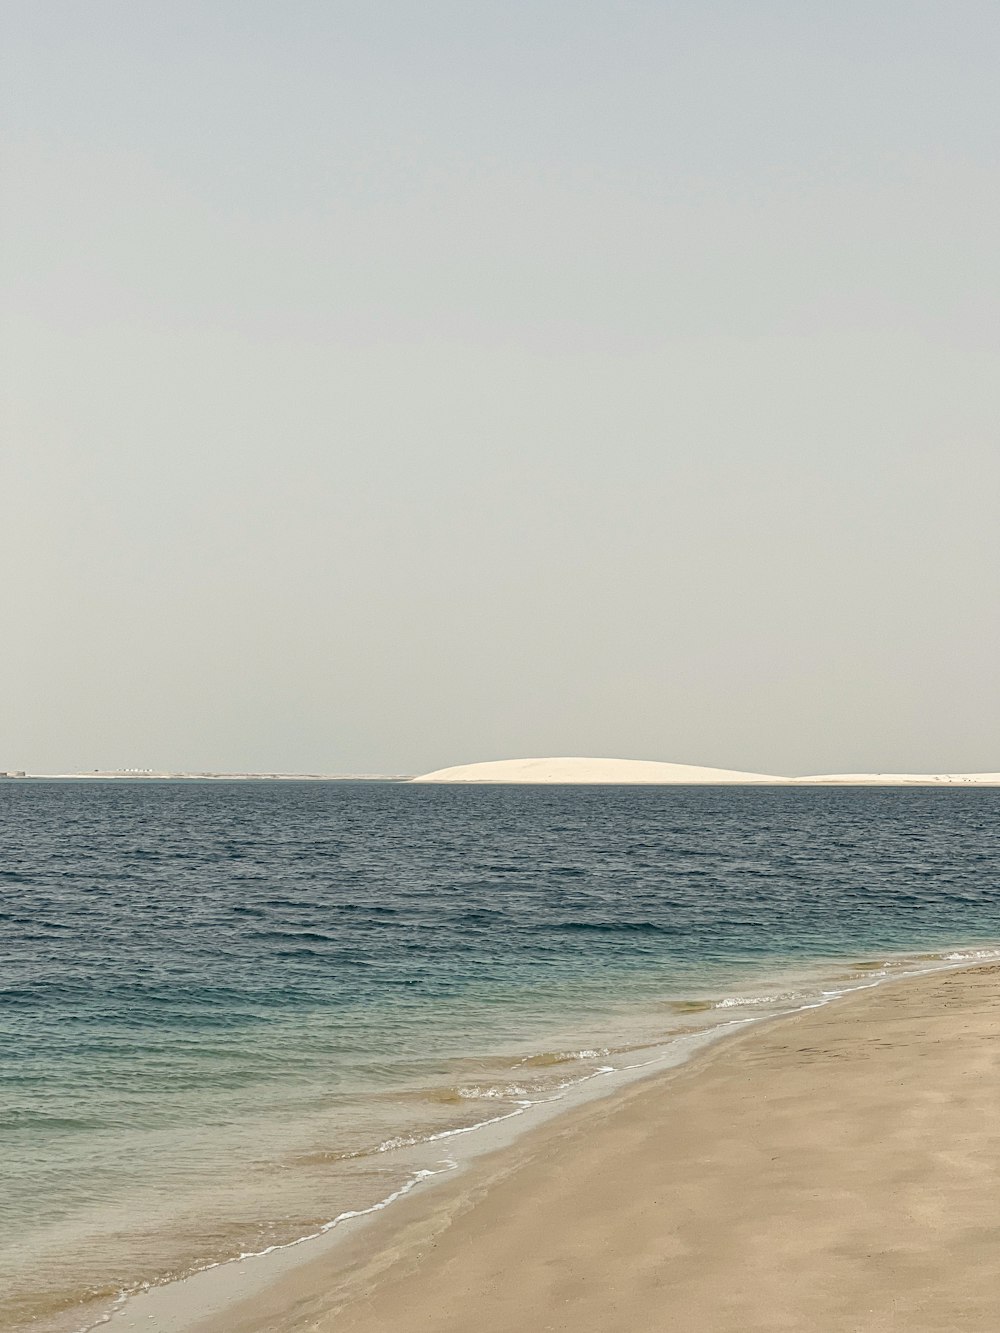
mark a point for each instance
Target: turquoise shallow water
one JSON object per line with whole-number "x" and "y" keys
{"x": 231, "y": 1011}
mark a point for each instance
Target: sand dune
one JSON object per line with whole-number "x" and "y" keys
{"x": 638, "y": 771}
{"x": 590, "y": 770}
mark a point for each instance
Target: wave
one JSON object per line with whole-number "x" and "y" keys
{"x": 614, "y": 927}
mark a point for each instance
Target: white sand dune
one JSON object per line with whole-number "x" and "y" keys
{"x": 580, "y": 770}
{"x": 650, "y": 772}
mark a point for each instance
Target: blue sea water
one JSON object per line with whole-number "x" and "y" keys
{"x": 231, "y": 1011}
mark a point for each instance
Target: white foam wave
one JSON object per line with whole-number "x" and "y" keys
{"x": 749, "y": 1001}
{"x": 493, "y": 1092}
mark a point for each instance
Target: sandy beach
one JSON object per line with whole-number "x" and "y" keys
{"x": 835, "y": 1170}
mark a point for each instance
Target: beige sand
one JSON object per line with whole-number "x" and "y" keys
{"x": 832, "y": 1172}
{"x": 645, "y": 771}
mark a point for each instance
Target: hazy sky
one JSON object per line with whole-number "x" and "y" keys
{"x": 392, "y": 385}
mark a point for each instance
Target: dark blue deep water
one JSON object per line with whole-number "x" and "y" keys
{"x": 179, "y": 961}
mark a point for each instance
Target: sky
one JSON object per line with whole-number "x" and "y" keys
{"x": 387, "y": 385}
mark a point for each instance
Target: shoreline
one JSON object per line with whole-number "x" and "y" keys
{"x": 321, "y": 1277}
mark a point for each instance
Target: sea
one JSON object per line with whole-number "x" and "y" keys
{"x": 236, "y": 1014}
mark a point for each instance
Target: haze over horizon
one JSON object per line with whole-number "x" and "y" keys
{"x": 394, "y": 387}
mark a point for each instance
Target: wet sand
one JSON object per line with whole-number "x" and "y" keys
{"x": 836, "y": 1171}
